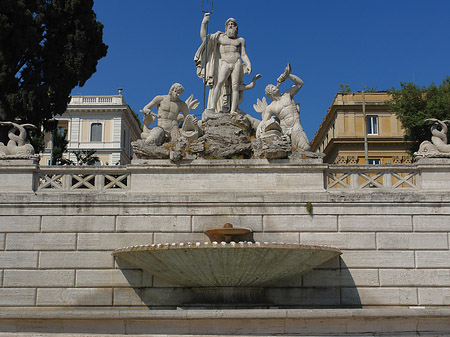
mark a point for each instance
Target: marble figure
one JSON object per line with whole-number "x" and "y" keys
{"x": 171, "y": 111}
{"x": 438, "y": 145}
{"x": 285, "y": 109}
{"x": 222, "y": 62}
{"x": 18, "y": 145}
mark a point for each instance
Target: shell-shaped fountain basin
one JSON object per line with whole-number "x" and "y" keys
{"x": 243, "y": 264}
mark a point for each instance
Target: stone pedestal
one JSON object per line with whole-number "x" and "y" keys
{"x": 434, "y": 173}
{"x": 227, "y": 176}
{"x": 18, "y": 174}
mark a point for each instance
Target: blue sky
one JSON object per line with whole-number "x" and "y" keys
{"x": 374, "y": 43}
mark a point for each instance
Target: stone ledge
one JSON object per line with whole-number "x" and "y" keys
{"x": 107, "y": 313}
{"x": 22, "y": 162}
{"x": 244, "y": 322}
{"x": 139, "y": 164}
{"x": 338, "y": 197}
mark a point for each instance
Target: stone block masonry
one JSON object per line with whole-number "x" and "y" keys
{"x": 38, "y": 278}
{"x": 385, "y": 261}
{"x": 77, "y": 224}
{"x": 19, "y": 223}
{"x": 40, "y": 241}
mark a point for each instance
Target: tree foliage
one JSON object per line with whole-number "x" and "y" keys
{"x": 47, "y": 47}
{"x": 413, "y": 104}
{"x": 86, "y": 157}
{"x": 344, "y": 87}
{"x": 369, "y": 89}
{"x": 60, "y": 143}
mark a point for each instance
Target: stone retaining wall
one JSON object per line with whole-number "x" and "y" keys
{"x": 55, "y": 246}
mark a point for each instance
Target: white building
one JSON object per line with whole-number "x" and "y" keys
{"x": 103, "y": 123}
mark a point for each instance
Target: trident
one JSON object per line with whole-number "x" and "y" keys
{"x": 206, "y": 9}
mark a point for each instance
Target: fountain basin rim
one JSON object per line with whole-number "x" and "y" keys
{"x": 224, "y": 245}
{"x": 224, "y": 264}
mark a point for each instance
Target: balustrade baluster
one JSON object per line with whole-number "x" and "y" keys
{"x": 387, "y": 180}
{"x": 354, "y": 180}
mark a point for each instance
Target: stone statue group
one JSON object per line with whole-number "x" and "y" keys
{"x": 221, "y": 62}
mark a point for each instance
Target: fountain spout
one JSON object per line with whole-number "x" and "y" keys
{"x": 229, "y": 233}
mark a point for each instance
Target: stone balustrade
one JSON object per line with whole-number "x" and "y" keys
{"x": 203, "y": 175}
{"x": 83, "y": 178}
{"x": 364, "y": 177}
{"x": 97, "y": 100}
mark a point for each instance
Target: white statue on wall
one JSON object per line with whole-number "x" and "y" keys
{"x": 438, "y": 145}
{"x": 285, "y": 109}
{"x": 18, "y": 145}
{"x": 222, "y": 62}
{"x": 171, "y": 111}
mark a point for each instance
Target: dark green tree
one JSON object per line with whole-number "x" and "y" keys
{"x": 59, "y": 146}
{"x": 86, "y": 157}
{"x": 138, "y": 120}
{"x": 413, "y": 104}
{"x": 47, "y": 47}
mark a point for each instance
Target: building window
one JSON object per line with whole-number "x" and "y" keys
{"x": 372, "y": 125}
{"x": 128, "y": 143}
{"x": 374, "y": 161}
{"x": 61, "y": 131}
{"x": 124, "y": 139}
{"x": 96, "y": 132}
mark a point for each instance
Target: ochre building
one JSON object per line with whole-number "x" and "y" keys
{"x": 341, "y": 134}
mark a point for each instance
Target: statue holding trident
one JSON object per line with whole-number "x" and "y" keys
{"x": 222, "y": 61}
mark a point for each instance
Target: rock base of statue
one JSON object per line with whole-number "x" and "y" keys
{"x": 299, "y": 154}
{"x": 226, "y": 136}
{"x": 174, "y": 150}
{"x": 143, "y": 150}
{"x": 271, "y": 147}
{"x": 210, "y": 114}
